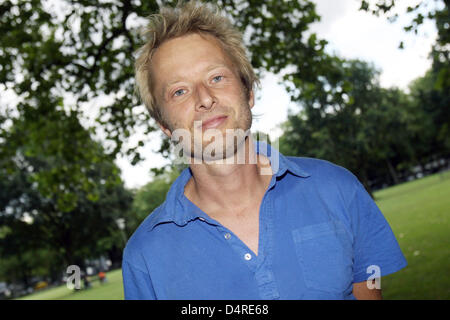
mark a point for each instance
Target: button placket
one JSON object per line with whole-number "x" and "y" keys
{"x": 264, "y": 275}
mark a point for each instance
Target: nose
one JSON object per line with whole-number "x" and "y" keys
{"x": 205, "y": 99}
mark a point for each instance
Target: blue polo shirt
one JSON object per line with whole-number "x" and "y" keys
{"x": 319, "y": 233}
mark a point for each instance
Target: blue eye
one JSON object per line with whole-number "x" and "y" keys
{"x": 179, "y": 92}
{"x": 217, "y": 78}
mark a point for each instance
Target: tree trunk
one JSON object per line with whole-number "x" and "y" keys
{"x": 392, "y": 171}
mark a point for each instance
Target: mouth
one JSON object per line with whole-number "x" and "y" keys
{"x": 213, "y": 122}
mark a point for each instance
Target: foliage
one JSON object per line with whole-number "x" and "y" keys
{"x": 85, "y": 49}
{"x": 344, "y": 120}
{"x": 432, "y": 115}
{"x": 379, "y": 134}
{"x": 436, "y": 11}
{"x": 45, "y": 204}
{"x": 430, "y": 93}
{"x": 148, "y": 198}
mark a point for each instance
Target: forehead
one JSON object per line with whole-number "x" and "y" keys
{"x": 184, "y": 56}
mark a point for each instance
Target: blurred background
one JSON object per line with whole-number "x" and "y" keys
{"x": 364, "y": 84}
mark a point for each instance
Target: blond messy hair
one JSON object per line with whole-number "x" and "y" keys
{"x": 186, "y": 18}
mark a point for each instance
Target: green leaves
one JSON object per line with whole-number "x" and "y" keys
{"x": 53, "y": 171}
{"x": 56, "y": 151}
{"x": 85, "y": 48}
{"x": 150, "y": 196}
{"x": 72, "y": 48}
{"x": 344, "y": 119}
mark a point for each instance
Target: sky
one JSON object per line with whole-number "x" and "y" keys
{"x": 351, "y": 34}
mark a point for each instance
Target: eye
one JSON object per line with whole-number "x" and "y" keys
{"x": 179, "y": 92}
{"x": 217, "y": 78}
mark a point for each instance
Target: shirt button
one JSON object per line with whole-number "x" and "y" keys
{"x": 247, "y": 256}
{"x": 227, "y": 236}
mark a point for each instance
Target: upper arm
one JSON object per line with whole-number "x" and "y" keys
{"x": 376, "y": 250}
{"x": 136, "y": 284}
{"x": 362, "y": 292}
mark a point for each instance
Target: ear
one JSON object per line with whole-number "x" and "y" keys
{"x": 165, "y": 130}
{"x": 251, "y": 99}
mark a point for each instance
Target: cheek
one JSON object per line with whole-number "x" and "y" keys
{"x": 178, "y": 117}
{"x": 169, "y": 119}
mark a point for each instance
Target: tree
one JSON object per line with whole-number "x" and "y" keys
{"x": 345, "y": 119}
{"x": 390, "y": 141}
{"x": 148, "y": 198}
{"x": 430, "y": 92}
{"x": 432, "y": 117}
{"x": 45, "y": 204}
{"x": 85, "y": 49}
{"x": 437, "y": 11}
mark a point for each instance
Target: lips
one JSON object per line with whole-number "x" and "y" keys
{"x": 213, "y": 122}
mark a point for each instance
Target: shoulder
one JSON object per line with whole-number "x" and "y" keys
{"x": 143, "y": 238}
{"x": 151, "y": 236}
{"x": 324, "y": 170}
{"x": 328, "y": 180}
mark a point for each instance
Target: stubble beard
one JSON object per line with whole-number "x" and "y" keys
{"x": 230, "y": 143}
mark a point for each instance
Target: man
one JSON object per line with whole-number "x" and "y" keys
{"x": 243, "y": 221}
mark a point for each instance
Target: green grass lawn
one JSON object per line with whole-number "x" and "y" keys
{"x": 418, "y": 213}
{"x": 112, "y": 290}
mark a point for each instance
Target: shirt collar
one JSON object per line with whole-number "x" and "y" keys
{"x": 178, "y": 209}
{"x": 279, "y": 163}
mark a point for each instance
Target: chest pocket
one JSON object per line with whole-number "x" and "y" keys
{"x": 325, "y": 254}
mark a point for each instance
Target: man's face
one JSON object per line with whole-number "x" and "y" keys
{"x": 194, "y": 80}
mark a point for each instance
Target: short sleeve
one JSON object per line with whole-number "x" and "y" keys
{"x": 375, "y": 246}
{"x": 136, "y": 284}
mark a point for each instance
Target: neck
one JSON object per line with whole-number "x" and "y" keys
{"x": 229, "y": 187}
